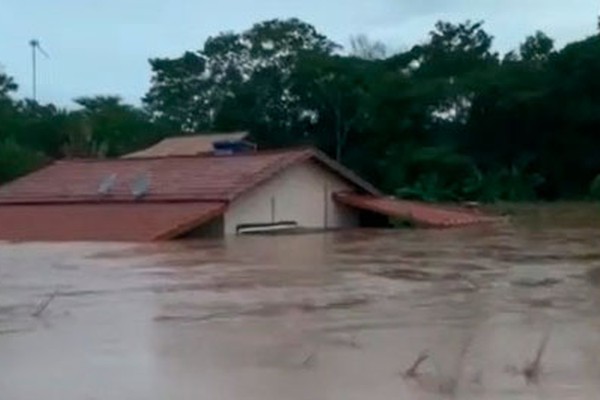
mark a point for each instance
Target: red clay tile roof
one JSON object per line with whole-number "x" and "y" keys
{"x": 111, "y": 222}
{"x": 211, "y": 178}
{"x": 421, "y": 214}
{"x": 63, "y": 202}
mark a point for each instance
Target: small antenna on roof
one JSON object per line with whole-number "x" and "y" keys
{"x": 140, "y": 186}
{"x": 107, "y": 184}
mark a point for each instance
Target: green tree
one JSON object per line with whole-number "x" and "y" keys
{"x": 16, "y": 160}
{"x": 453, "y": 50}
{"x": 333, "y": 92}
{"x": 110, "y": 127}
{"x": 363, "y": 47}
{"x": 190, "y": 92}
{"x": 7, "y": 105}
{"x": 537, "y": 48}
{"x": 7, "y": 86}
{"x": 447, "y": 72}
{"x": 572, "y": 109}
{"x": 595, "y": 188}
{"x": 40, "y": 127}
{"x": 178, "y": 96}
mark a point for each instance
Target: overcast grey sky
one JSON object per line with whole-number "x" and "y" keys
{"x": 102, "y": 47}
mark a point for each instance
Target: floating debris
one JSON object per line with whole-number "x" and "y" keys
{"x": 44, "y": 305}
{"x": 310, "y": 360}
{"x": 537, "y": 283}
{"x": 533, "y": 369}
{"x": 405, "y": 274}
{"x": 413, "y": 371}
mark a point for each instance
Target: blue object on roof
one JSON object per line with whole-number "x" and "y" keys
{"x": 227, "y": 147}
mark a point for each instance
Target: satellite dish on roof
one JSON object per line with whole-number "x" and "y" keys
{"x": 107, "y": 184}
{"x": 140, "y": 186}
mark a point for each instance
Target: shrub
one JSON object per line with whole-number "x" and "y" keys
{"x": 595, "y": 188}
{"x": 16, "y": 160}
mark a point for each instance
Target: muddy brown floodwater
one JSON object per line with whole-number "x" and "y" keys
{"x": 323, "y": 316}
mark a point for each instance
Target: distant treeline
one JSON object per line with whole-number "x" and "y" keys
{"x": 447, "y": 120}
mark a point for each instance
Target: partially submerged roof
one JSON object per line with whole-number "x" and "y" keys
{"x": 108, "y": 222}
{"x": 171, "y": 179}
{"x": 418, "y": 213}
{"x": 192, "y": 145}
{"x": 140, "y": 199}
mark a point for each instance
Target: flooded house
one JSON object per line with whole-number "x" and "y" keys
{"x": 210, "y": 185}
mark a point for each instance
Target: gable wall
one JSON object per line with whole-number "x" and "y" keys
{"x": 301, "y": 193}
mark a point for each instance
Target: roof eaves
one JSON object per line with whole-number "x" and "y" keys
{"x": 182, "y": 229}
{"x": 346, "y": 173}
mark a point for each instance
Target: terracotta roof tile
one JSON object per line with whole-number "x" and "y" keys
{"x": 213, "y": 178}
{"x": 63, "y": 202}
{"x": 113, "y": 222}
{"x": 171, "y": 179}
{"x": 421, "y": 214}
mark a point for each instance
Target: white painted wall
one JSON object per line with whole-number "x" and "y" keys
{"x": 301, "y": 193}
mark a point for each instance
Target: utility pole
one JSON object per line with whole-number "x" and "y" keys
{"x": 35, "y": 47}
{"x": 33, "y": 44}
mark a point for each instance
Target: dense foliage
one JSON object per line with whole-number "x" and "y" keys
{"x": 446, "y": 120}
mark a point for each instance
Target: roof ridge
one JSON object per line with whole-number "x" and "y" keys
{"x": 184, "y": 157}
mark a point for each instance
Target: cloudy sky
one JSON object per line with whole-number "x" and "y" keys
{"x": 102, "y": 46}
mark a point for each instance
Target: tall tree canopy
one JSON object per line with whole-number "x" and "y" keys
{"x": 190, "y": 91}
{"x": 7, "y": 85}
